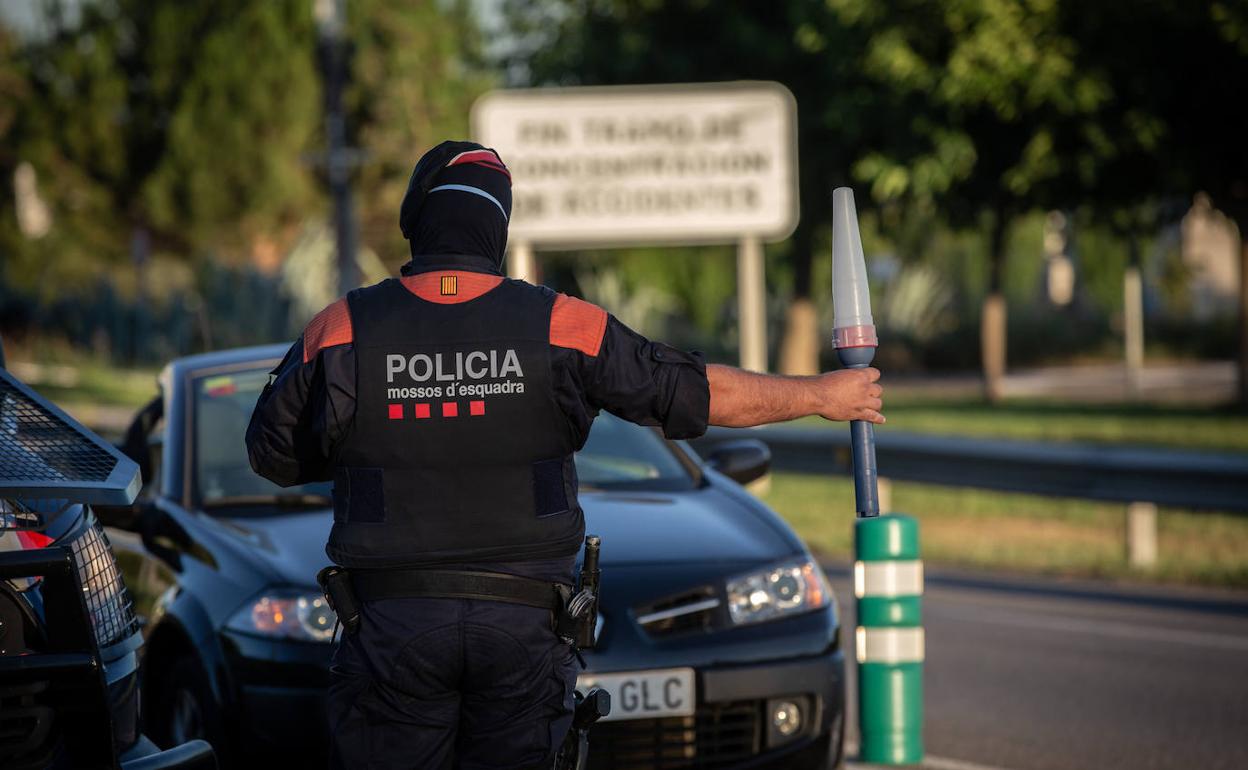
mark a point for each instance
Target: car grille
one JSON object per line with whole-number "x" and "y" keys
{"x": 690, "y": 611}
{"x": 716, "y": 736}
{"x": 112, "y": 611}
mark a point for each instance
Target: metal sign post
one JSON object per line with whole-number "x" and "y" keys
{"x": 752, "y": 304}
{"x": 888, "y": 575}
{"x": 521, "y": 262}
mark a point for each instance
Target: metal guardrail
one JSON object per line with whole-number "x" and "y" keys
{"x": 1199, "y": 480}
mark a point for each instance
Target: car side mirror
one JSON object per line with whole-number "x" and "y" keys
{"x": 127, "y": 517}
{"x": 742, "y": 460}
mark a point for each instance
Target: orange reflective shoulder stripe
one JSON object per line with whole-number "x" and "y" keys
{"x": 330, "y": 327}
{"x": 577, "y": 324}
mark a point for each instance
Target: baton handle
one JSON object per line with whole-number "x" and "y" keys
{"x": 866, "y": 477}
{"x": 862, "y": 441}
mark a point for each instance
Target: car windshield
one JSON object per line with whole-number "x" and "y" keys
{"x": 618, "y": 455}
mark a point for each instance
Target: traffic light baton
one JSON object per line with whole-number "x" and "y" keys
{"x": 888, "y": 575}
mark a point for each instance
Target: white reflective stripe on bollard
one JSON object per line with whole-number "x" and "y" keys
{"x": 888, "y": 578}
{"x": 889, "y": 645}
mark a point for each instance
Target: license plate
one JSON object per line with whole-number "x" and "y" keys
{"x": 645, "y": 694}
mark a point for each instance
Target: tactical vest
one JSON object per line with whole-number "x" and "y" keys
{"x": 458, "y": 451}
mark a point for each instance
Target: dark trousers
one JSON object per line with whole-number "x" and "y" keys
{"x": 435, "y": 684}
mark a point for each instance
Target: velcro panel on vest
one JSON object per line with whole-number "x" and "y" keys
{"x": 359, "y": 495}
{"x": 549, "y": 495}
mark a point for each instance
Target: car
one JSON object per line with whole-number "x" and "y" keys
{"x": 69, "y": 634}
{"x": 718, "y": 636}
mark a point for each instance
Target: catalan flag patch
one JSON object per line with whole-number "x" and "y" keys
{"x": 448, "y": 286}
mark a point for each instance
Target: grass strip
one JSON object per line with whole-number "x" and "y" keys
{"x": 1024, "y": 533}
{"x": 1206, "y": 428}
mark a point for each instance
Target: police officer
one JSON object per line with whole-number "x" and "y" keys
{"x": 446, "y": 406}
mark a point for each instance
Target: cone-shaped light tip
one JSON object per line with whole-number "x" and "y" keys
{"x": 851, "y": 297}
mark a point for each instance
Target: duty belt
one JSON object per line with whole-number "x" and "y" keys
{"x": 575, "y": 612}
{"x": 370, "y": 585}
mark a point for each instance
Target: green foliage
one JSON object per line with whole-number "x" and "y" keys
{"x": 238, "y": 118}
{"x": 948, "y": 109}
{"x": 798, "y": 43}
{"x": 201, "y": 124}
{"x": 1024, "y": 533}
{"x": 990, "y": 88}
{"x": 415, "y": 72}
{"x": 185, "y": 120}
{"x": 1175, "y": 124}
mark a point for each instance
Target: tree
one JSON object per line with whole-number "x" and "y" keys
{"x": 183, "y": 121}
{"x": 1002, "y": 120}
{"x": 1177, "y": 69}
{"x": 415, "y": 71}
{"x": 798, "y": 43}
{"x": 199, "y": 123}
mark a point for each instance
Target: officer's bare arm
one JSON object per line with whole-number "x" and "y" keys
{"x": 740, "y": 399}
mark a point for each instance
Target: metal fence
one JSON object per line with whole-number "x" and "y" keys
{"x": 1198, "y": 480}
{"x": 1143, "y": 478}
{"x": 227, "y": 307}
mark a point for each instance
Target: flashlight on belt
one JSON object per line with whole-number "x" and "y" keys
{"x": 591, "y": 578}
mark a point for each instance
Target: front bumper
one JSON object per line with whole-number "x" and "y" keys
{"x": 280, "y": 690}
{"x": 192, "y": 755}
{"x": 731, "y": 726}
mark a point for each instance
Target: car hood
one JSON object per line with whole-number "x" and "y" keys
{"x": 293, "y": 545}
{"x": 702, "y": 525}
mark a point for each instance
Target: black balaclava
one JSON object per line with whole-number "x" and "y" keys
{"x": 456, "y": 209}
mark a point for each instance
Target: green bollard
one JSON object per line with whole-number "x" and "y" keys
{"x": 888, "y": 583}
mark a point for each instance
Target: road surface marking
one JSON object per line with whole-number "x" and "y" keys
{"x": 1100, "y": 628}
{"x": 945, "y": 763}
{"x": 929, "y": 761}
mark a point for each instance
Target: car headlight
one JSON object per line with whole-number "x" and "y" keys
{"x": 301, "y": 615}
{"x": 788, "y": 588}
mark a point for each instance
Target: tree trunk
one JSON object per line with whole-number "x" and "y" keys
{"x": 992, "y": 323}
{"x": 1243, "y": 314}
{"x": 799, "y": 349}
{"x": 1133, "y": 317}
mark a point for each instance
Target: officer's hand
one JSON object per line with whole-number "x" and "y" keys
{"x": 851, "y": 394}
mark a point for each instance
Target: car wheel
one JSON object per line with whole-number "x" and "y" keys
{"x": 184, "y": 708}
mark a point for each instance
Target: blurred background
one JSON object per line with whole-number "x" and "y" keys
{"x": 1052, "y": 196}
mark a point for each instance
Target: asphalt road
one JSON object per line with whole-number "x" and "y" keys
{"x": 1037, "y": 674}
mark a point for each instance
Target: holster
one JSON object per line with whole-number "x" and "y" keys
{"x": 335, "y": 583}
{"x": 567, "y": 625}
{"x": 576, "y": 623}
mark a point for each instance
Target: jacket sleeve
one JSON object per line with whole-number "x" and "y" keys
{"x": 612, "y": 367}
{"x": 307, "y": 408}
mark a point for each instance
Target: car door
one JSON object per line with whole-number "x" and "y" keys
{"x": 147, "y": 577}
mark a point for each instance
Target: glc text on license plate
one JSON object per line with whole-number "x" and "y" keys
{"x": 645, "y": 694}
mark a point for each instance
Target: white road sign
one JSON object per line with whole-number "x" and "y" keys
{"x": 646, "y": 164}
